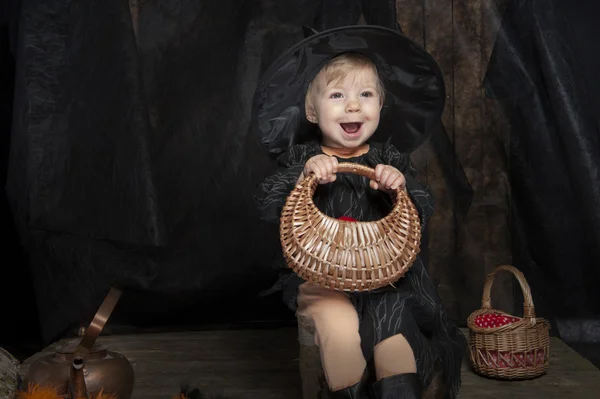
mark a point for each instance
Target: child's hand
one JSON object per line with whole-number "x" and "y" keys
{"x": 323, "y": 166}
{"x": 387, "y": 178}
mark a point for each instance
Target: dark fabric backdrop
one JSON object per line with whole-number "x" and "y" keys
{"x": 544, "y": 72}
{"x": 131, "y": 162}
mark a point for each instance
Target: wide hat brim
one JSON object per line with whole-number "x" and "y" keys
{"x": 414, "y": 85}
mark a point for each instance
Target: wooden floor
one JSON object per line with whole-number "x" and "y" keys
{"x": 262, "y": 364}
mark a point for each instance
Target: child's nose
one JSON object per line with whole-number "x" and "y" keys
{"x": 352, "y": 106}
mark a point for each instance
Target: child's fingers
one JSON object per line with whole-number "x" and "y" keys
{"x": 323, "y": 166}
{"x": 394, "y": 181}
{"x": 328, "y": 179}
{"x": 308, "y": 167}
{"x": 385, "y": 176}
{"x": 316, "y": 169}
{"x": 328, "y": 166}
{"x": 334, "y": 163}
{"x": 323, "y": 172}
{"x": 398, "y": 182}
{"x": 378, "y": 170}
{"x": 374, "y": 185}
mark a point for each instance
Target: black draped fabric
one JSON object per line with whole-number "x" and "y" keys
{"x": 413, "y": 308}
{"x": 128, "y": 163}
{"x": 544, "y": 70}
{"x": 130, "y": 160}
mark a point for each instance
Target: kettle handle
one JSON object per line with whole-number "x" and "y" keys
{"x": 93, "y": 331}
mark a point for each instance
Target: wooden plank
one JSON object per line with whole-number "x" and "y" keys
{"x": 425, "y": 23}
{"x": 468, "y": 142}
{"x": 467, "y": 80}
{"x": 238, "y": 364}
{"x": 439, "y": 42}
{"x": 410, "y": 18}
{"x": 263, "y": 364}
{"x": 497, "y": 248}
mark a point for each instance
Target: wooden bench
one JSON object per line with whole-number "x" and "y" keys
{"x": 264, "y": 364}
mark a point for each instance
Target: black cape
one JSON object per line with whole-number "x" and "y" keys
{"x": 413, "y": 308}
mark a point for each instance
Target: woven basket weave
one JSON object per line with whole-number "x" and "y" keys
{"x": 519, "y": 350}
{"x": 343, "y": 255}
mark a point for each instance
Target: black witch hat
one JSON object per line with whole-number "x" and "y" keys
{"x": 414, "y": 86}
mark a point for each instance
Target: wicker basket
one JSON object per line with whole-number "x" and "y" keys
{"x": 518, "y": 350}
{"x": 344, "y": 255}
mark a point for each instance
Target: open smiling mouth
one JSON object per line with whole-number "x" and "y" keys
{"x": 351, "y": 127}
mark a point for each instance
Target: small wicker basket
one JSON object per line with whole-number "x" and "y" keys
{"x": 518, "y": 350}
{"x": 343, "y": 255}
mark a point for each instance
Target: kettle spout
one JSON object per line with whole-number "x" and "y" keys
{"x": 77, "y": 387}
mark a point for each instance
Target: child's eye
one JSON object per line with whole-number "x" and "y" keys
{"x": 367, "y": 94}
{"x": 336, "y": 95}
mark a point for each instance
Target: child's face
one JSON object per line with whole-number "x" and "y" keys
{"x": 347, "y": 111}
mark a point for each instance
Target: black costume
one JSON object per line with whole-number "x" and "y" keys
{"x": 413, "y": 104}
{"x": 412, "y": 308}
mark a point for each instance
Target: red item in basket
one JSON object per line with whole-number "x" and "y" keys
{"x": 493, "y": 320}
{"x": 347, "y": 219}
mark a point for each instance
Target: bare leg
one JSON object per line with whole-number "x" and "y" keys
{"x": 336, "y": 325}
{"x": 394, "y": 356}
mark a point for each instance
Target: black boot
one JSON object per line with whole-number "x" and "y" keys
{"x": 356, "y": 391}
{"x": 400, "y": 386}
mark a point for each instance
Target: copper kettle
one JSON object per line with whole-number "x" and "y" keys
{"x": 83, "y": 369}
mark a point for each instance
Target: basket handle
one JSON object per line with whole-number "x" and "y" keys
{"x": 357, "y": 169}
{"x": 486, "y": 302}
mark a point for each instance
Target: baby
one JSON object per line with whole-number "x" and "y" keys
{"x": 401, "y": 330}
{"x": 345, "y": 100}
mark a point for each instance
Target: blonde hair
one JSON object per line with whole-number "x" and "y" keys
{"x": 340, "y": 67}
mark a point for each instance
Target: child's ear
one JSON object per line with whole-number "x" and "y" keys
{"x": 311, "y": 115}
